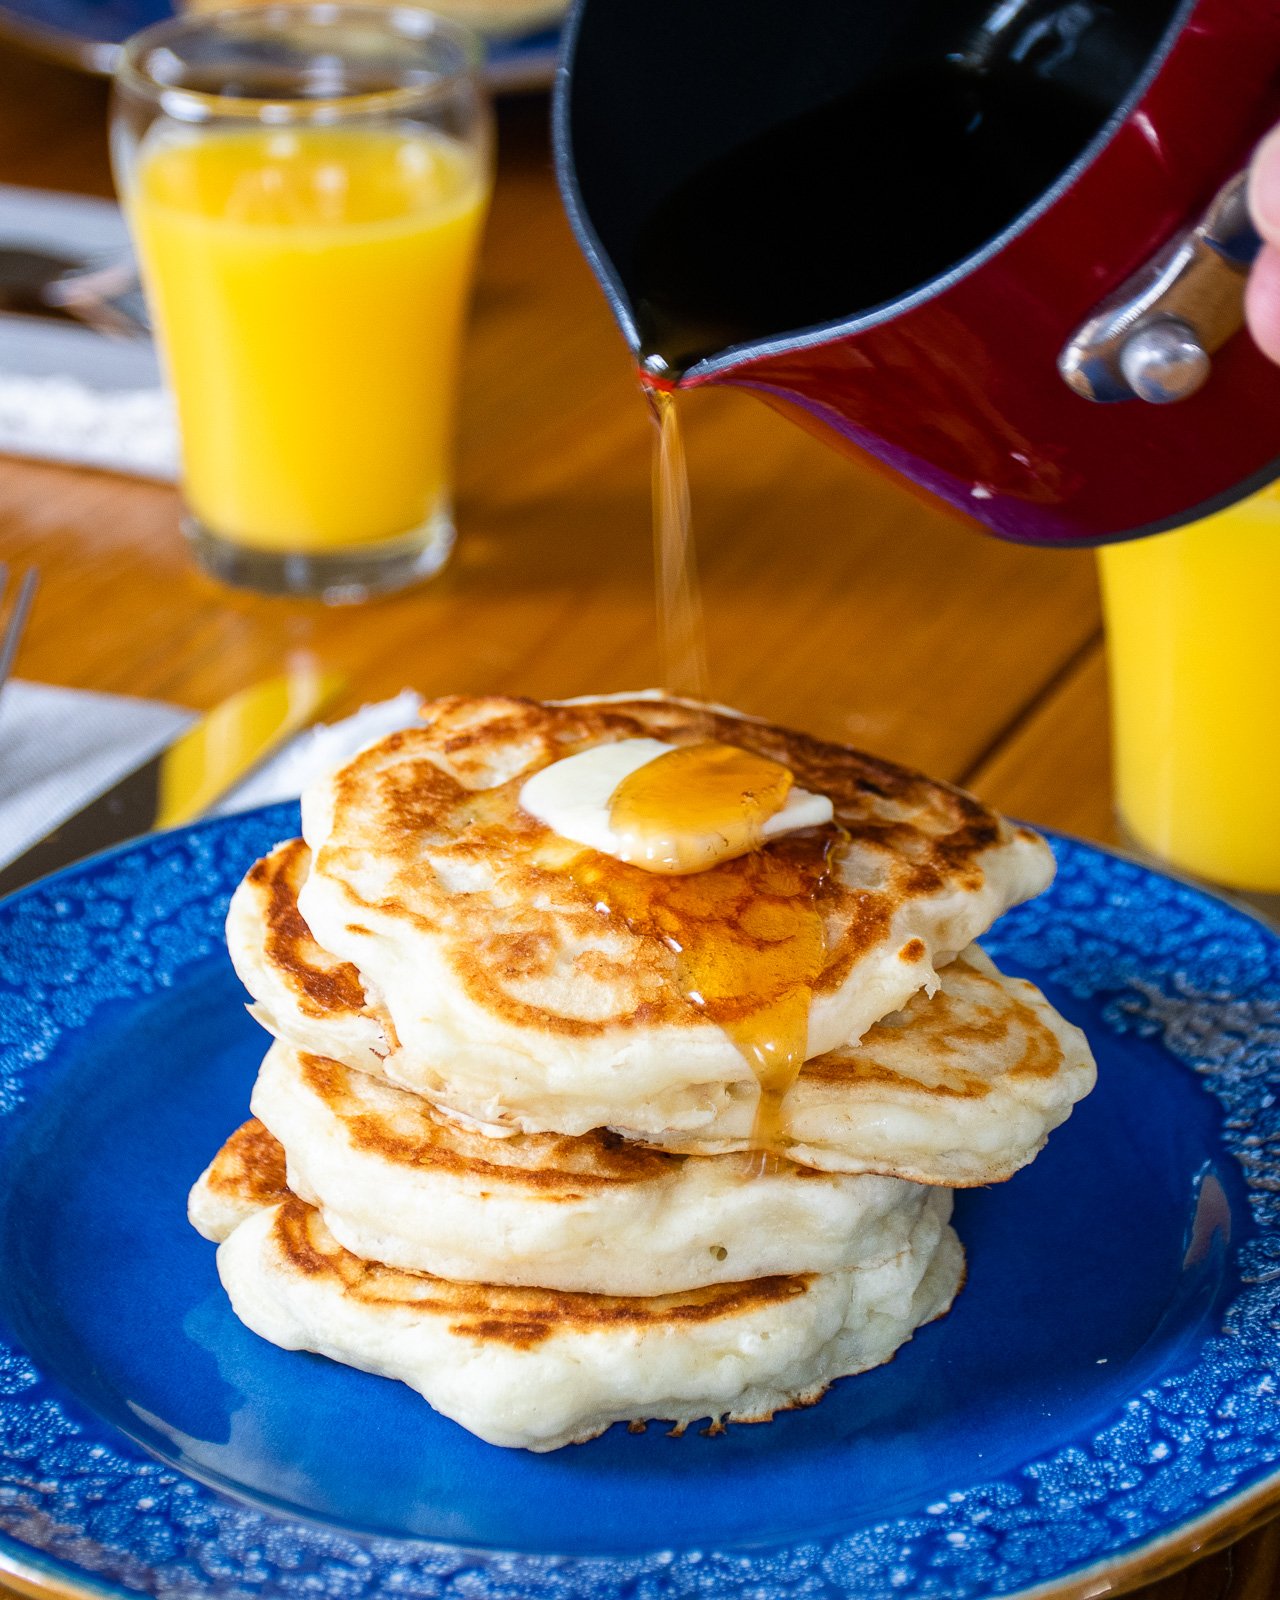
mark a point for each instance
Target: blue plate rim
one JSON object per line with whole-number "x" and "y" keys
{"x": 40, "y": 1574}
{"x": 1162, "y": 1556}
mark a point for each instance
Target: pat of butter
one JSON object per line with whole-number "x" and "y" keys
{"x": 574, "y": 798}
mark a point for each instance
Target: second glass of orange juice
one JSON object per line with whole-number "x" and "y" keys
{"x": 1194, "y": 651}
{"x": 306, "y": 188}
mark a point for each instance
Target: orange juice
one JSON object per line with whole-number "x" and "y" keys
{"x": 309, "y": 286}
{"x": 1194, "y": 647}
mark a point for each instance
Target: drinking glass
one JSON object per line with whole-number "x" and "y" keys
{"x": 306, "y": 187}
{"x": 1194, "y": 647}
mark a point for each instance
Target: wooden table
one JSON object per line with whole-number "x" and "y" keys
{"x": 835, "y": 599}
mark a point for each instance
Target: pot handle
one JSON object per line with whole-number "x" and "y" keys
{"x": 1152, "y": 339}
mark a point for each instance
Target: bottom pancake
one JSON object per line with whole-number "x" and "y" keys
{"x": 247, "y": 1175}
{"x": 543, "y": 1368}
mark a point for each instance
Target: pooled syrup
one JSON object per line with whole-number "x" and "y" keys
{"x": 696, "y": 805}
{"x": 750, "y": 946}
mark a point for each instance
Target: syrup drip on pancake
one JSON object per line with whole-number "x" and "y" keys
{"x": 751, "y": 944}
{"x": 696, "y": 802}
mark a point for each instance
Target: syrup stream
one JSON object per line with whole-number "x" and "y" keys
{"x": 776, "y": 952}
{"x": 681, "y": 633}
{"x": 749, "y": 943}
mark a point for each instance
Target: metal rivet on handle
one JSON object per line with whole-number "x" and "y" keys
{"x": 1152, "y": 337}
{"x": 1164, "y": 361}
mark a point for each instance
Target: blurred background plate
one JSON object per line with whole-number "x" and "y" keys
{"x": 521, "y": 38}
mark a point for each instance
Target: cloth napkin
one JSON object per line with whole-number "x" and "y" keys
{"x": 61, "y": 747}
{"x": 68, "y": 393}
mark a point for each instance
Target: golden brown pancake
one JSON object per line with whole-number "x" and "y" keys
{"x": 960, "y": 1088}
{"x": 247, "y": 1174}
{"x": 398, "y": 1182}
{"x": 520, "y": 970}
{"x": 542, "y": 1368}
{"x": 300, "y": 990}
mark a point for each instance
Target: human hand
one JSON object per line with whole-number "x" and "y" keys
{"x": 1262, "y": 298}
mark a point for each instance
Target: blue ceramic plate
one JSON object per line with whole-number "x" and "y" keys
{"x": 1103, "y": 1399}
{"x": 88, "y": 34}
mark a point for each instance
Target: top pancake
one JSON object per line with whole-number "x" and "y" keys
{"x": 478, "y": 932}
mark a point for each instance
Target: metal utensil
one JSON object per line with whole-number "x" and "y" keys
{"x": 187, "y": 776}
{"x": 16, "y": 621}
{"x": 25, "y": 275}
{"x": 46, "y": 283}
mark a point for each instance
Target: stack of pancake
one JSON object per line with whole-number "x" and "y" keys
{"x": 505, "y": 1145}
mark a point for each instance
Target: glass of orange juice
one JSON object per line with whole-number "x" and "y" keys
{"x": 306, "y": 187}
{"x": 1193, "y": 641}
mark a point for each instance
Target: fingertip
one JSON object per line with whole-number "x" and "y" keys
{"x": 1264, "y": 187}
{"x": 1262, "y": 302}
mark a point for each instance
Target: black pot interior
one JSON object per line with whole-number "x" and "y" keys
{"x": 751, "y": 169}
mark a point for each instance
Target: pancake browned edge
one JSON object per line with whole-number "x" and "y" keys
{"x": 959, "y": 1088}
{"x": 399, "y": 1183}
{"x": 246, "y": 1175}
{"x": 538, "y": 1368}
{"x": 962, "y": 1087}
{"x": 506, "y": 974}
{"x": 300, "y": 991}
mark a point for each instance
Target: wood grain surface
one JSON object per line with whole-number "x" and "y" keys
{"x": 835, "y": 600}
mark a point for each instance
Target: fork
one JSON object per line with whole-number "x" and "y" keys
{"x": 11, "y": 629}
{"x": 108, "y": 298}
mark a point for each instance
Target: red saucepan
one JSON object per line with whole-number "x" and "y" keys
{"x": 999, "y": 245}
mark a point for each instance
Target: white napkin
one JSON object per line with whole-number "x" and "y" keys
{"x": 68, "y": 393}
{"x": 61, "y": 747}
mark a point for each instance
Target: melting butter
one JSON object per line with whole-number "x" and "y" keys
{"x": 675, "y": 836}
{"x": 696, "y": 805}
{"x": 671, "y": 808}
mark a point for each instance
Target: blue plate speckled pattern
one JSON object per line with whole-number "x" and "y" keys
{"x": 1105, "y": 1388}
